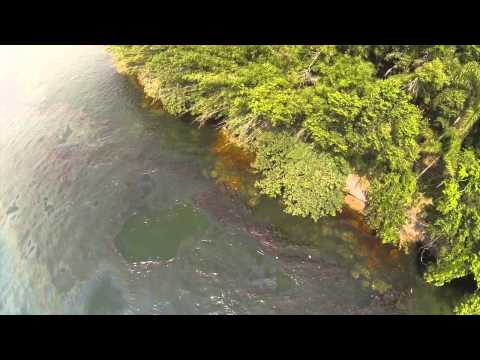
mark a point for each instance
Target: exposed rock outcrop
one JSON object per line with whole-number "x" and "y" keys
{"x": 356, "y": 193}
{"x": 414, "y": 229}
{"x": 356, "y": 199}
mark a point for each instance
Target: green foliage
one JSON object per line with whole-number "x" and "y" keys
{"x": 457, "y": 225}
{"x": 308, "y": 183}
{"x": 448, "y": 106}
{"x": 131, "y": 59}
{"x": 277, "y": 102}
{"x": 389, "y": 198}
{"x": 432, "y": 76}
{"x": 469, "y": 306}
{"x": 468, "y": 80}
{"x": 381, "y": 124}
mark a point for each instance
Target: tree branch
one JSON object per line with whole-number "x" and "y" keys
{"x": 428, "y": 167}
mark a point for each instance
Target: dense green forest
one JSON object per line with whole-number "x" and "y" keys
{"x": 405, "y": 117}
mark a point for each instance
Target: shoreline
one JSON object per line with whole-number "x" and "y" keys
{"x": 356, "y": 188}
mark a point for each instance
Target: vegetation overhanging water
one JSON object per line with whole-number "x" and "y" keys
{"x": 112, "y": 206}
{"x": 402, "y": 117}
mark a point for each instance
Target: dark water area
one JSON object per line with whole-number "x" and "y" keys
{"x": 108, "y": 207}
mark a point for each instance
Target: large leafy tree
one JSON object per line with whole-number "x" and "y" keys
{"x": 307, "y": 182}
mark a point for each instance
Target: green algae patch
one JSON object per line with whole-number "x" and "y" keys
{"x": 152, "y": 236}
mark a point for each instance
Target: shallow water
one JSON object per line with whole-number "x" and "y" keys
{"x": 109, "y": 208}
